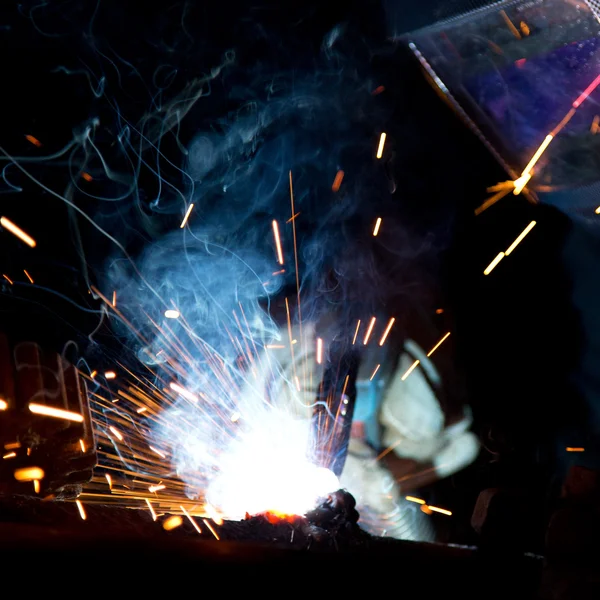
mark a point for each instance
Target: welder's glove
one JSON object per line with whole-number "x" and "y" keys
{"x": 413, "y": 422}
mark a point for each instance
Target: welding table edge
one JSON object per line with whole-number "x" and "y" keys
{"x": 27, "y": 538}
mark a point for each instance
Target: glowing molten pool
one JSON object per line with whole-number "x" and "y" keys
{"x": 268, "y": 470}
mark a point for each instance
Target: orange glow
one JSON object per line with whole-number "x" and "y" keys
{"x": 93, "y": 374}
{"x": 17, "y": 231}
{"x": 277, "y": 242}
{"x": 369, "y": 330}
{"x": 109, "y": 480}
{"x": 12, "y": 446}
{"x": 82, "y": 445}
{"x": 36, "y": 486}
{"x": 387, "y": 331}
{"x": 28, "y": 276}
{"x": 172, "y": 523}
{"x": 337, "y": 182}
{"x": 575, "y": 449}
{"x": 3, "y": 405}
{"x": 29, "y": 474}
{"x": 524, "y": 28}
{"x": 378, "y": 90}
{"x": 57, "y": 413}
{"x": 114, "y": 299}
{"x": 426, "y": 509}
{"x": 9, "y": 455}
{"x": 7, "y": 279}
{"x": 33, "y": 140}
{"x": 87, "y": 176}
{"x": 594, "y": 126}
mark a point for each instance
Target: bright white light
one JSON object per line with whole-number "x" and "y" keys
{"x": 172, "y": 314}
{"x": 268, "y": 469}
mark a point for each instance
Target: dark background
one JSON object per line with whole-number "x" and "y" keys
{"x": 517, "y": 335}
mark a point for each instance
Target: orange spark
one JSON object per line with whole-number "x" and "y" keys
{"x": 109, "y": 480}
{"x": 28, "y": 276}
{"x": 510, "y": 25}
{"x": 377, "y": 226}
{"x": 575, "y": 449}
{"x": 87, "y": 176}
{"x": 520, "y": 238}
{"x": 594, "y": 126}
{"x": 81, "y": 510}
{"x": 337, "y": 182}
{"x": 3, "y": 405}
{"x": 442, "y": 511}
{"x": 374, "y": 372}
{"x": 387, "y": 331}
{"x": 494, "y": 263}
{"x": 369, "y": 330}
{"x": 524, "y": 28}
{"x": 12, "y": 446}
{"x": 588, "y": 90}
{"x": 116, "y": 433}
{"x": 150, "y": 509}
{"x": 381, "y": 145}
{"x": 277, "y": 242}
{"x": 319, "y": 351}
{"x": 187, "y": 215}
{"x": 157, "y": 452}
{"x": 156, "y": 488}
{"x": 410, "y": 369}
{"x": 438, "y": 344}
{"x": 110, "y": 375}
{"x": 36, "y": 486}
{"x": 7, "y": 278}
{"x": 378, "y": 90}
{"x": 82, "y": 445}
{"x": 191, "y": 520}
{"x": 9, "y": 455}
{"x": 356, "y": 332}
{"x": 33, "y": 140}
{"x": 414, "y": 499}
{"x": 114, "y": 299}
{"x": 211, "y": 529}
{"x": 57, "y": 413}
{"x": 17, "y": 231}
